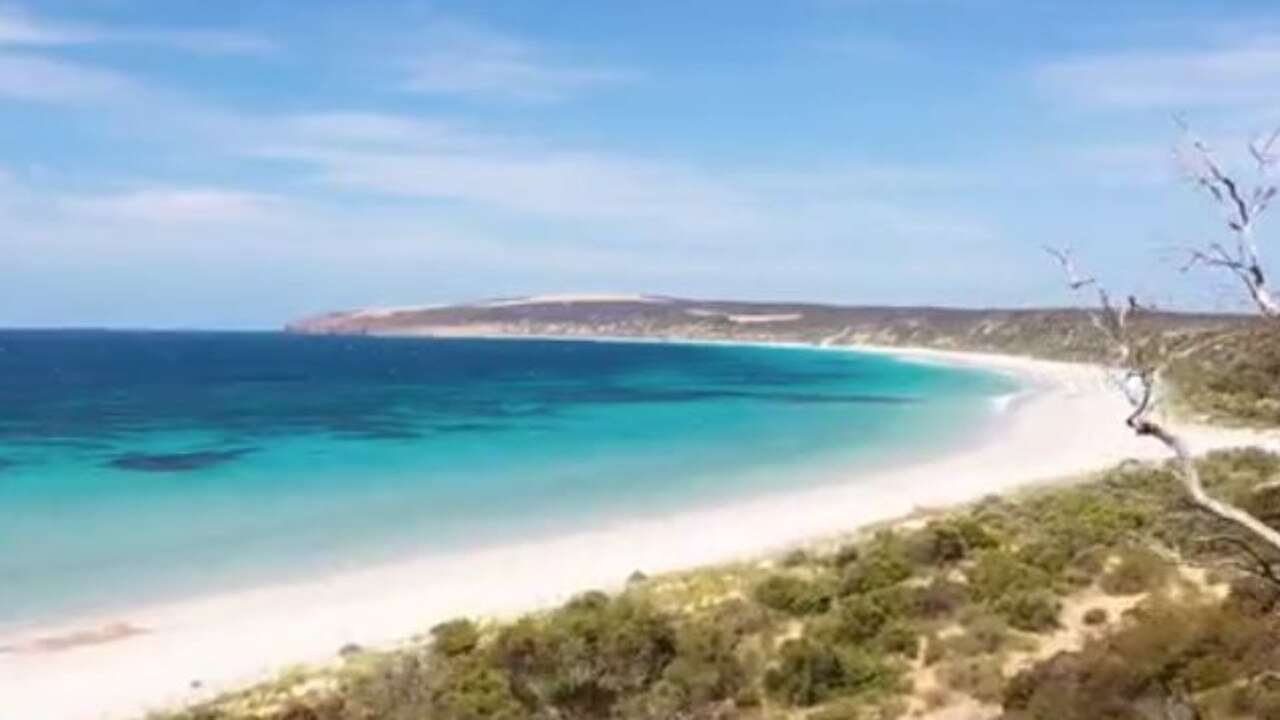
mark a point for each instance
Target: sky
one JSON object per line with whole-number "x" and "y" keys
{"x": 239, "y": 163}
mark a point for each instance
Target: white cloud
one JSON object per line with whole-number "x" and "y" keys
{"x": 867, "y": 177}
{"x": 212, "y": 42}
{"x": 398, "y": 157}
{"x": 1119, "y": 164}
{"x": 19, "y": 28}
{"x": 41, "y": 79}
{"x": 1241, "y": 75}
{"x": 615, "y": 221}
{"x": 187, "y": 206}
{"x": 614, "y": 199}
{"x": 551, "y": 184}
{"x": 370, "y": 130}
{"x": 467, "y": 62}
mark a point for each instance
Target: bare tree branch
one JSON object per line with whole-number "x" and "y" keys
{"x": 1074, "y": 280}
{"x": 1242, "y": 206}
{"x": 1140, "y": 368}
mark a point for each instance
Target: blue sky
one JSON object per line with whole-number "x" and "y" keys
{"x": 238, "y": 163}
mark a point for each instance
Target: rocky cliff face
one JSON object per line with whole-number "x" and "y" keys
{"x": 1044, "y": 332}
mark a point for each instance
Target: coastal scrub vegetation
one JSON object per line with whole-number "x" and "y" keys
{"x": 1231, "y": 377}
{"x": 1101, "y": 600}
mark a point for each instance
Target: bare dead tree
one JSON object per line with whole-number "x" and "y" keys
{"x": 1242, "y": 205}
{"x": 1140, "y": 363}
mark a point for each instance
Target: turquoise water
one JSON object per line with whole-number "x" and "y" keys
{"x": 137, "y": 467}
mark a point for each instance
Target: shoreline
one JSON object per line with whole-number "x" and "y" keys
{"x": 1066, "y": 422}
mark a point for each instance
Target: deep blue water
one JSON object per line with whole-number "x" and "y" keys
{"x": 144, "y": 466}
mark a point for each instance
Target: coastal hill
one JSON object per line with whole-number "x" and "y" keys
{"x": 1049, "y": 332}
{"x": 1223, "y": 368}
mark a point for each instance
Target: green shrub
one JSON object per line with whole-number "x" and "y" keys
{"x": 1048, "y": 555}
{"x": 1253, "y": 596}
{"x": 625, "y": 641}
{"x": 390, "y": 687}
{"x": 1135, "y": 570}
{"x": 976, "y": 534}
{"x": 1030, "y": 610}
{"x": 793, "y": 595}
{"x": 809, "y": 672}
{"x": 883, "y": 564}
{"x": 587, "y": 655}
{"x": 846, "y": 554}
{"x": 899, "y": 638}
{"x": 1084, "y": 568}
{"x": 1238, "y": 471}
{"x": 940, "y": 598}
{"x": 983, "y": 634}
{"x": 707, "y": 667}
{"x": 998, "y": 574}
{"x": 455, "y": 637}
{"x": 1094, "y": 616}
{"x": 859, "y": 618}
{"x": 473, "y": 690}
{"x": 522, "y": 648}
{"x": 1232, "y": 375}
{"x": 938, "y": 543}
{"x": 1200, "y": 647}
{"x": 795, "y": 558}
{"x": 1063, "y": 524}
{"x": 875, "y": 620}
{"x": 944, "y": 542}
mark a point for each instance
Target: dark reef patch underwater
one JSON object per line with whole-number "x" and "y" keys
{"x": 175, "y": 462}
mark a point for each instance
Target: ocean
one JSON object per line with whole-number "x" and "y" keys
{"x": 140, "y": 467}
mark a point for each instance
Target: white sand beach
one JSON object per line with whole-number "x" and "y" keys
{"x": 1066, "y": 423}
